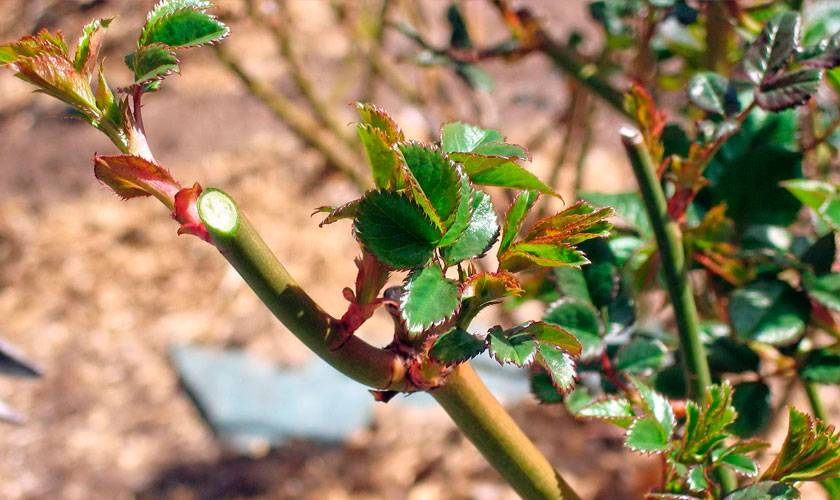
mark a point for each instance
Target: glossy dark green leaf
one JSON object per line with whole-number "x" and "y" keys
{"x": 519, "y": 350}
{"x": 769, "y": 312}
{"x": 640, "y": 355}
{"x": 752, "y": 402}
{"x": 434, "y": 181}
{"x": 429, "y": 299}
{"x": 713, "y": 93}
{"x": 182, "y": 23}
{"x": 463, "y": 213}
{"x": 773, "y": 47}
{"x": 382, "y": 158}
{"x": 788, "y": 90}
{"x": 395, "y": 230}
{"x": 560, "y": 366}
{"x": 656, "y": 405}
{"x": 740, "y": 464}
{"x": 821, "y": 366}
{"x": 480, "y": 234}
{"x": 727, "y": 355}
{"x": 550, "y": 334}
{"x": 696, "y": 479}
{"x": 152, "y": 62}
{"x": 515, "y": 216}
{"x": 646, "y": 435}
{"x": 810, "y": 452}
{"x": 820, "y": 256}
{"x": 500, "y": 171}
{"x": 824, "y": 289}
{"x": 543, "y": 389}
{"x": 571, "y": 283}
{"x": 617, "y": 411}
{"x": 456, "y": 346}
{"x": 765, "y": 490}
{"x": 581, "y": 320}
{"x": 460, "y": 137}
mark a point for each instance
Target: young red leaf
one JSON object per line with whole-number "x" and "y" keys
{"x": 131, "y": 176}
{"x": 87, "y": 50}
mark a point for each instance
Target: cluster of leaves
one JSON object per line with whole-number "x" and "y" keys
{"x": 428, "y": 216}
{"x": 810, "y": 452}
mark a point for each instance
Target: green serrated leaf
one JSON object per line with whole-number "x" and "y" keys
{"x": 463, "y": 214}
{"x": 656, "y": 405}
{"x": 523, "y": 255}
{"x": 617, "y": 411}
{"x": 696, "y": 479}
{"x": 152, "y": 62}
{"x": 543, "y": 389}
{"x": 377, "y": 118}
{"x": 552, "y": 335}
{"x": 434, "y": 181}
{"x": 519, "y": 350}
{"x": 769, "y": 312}
{"x": 560, "y": 366}
{"x": 752, "y": 402}
{"x": 500, "y": 171}
{"x": 741, "y": 464}
{"x": 765, "y": 490}
{"x": 821, "y": 366}
{"x": 640, "y": 355}
{"x": 383, "y": 159}
{"x": 87, "y": 49}
{"x": 824, "y": 289}
{"x": 181, "y": 24}
{"x": 460, "y": 137}
{"x": 788, "y": 90}
{"x": 515, "y": 216}
{"x": 581, "y": 320}
{"x": 810, "y": 452}
{"x": 480, "y": 234}
{"x": 646, "y": 435}
{"x": 713, "y": 93}
{"x": 456, "y": 346}
{"x": 395, "y": 230}
{"x": 773, "y": 47}
{"x": 429, "y": 299}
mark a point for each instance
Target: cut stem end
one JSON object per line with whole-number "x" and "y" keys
{"x": 218, "y": 212}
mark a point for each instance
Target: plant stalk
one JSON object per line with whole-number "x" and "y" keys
{"x": 464, "y": 397}
{"x": 816, "y": 402}
{"x": 672, "y": 256}
{"x": 246, "y": 251}
{"x": 497, "y": 436}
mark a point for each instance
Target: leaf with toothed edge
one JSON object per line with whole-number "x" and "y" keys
{"x": 347, "y": 211}
{"x": 55, "y": 75}
{"x": 522, "y": 256}
{"x": 646, "y": 435}
{"x": 519, "y": 350}
{"x": 377, "y": 118}
{"x": 656, "y": 405}
{"x": 617, "y": 411}
{"x": 479, "y": 235}
{"x": 429, "y": 299}
{"x": 383, "y": 159}
{"x": 463, "y": 214}
{"x": 152, "y": 62}
{"x": 810, "y": 452}
{"x": 773, "y": 47}
{"x": 765, "y": 490}
{"x": 457, "y": 346}
{"x": 500, "y": 171}
{"x": 395, "y": 230}
{"x": 788, "y": 90}
{"x": 460, "y": 137}
{"x": 548, "y": 334}
{"x": 182, "y": 24}
{"x": 581, "y": 319}
{"x": 434, "y": 181}
{"x": 515, "y": 216}
{"x": 87, "y": 50}
{"x": 560, "y": 366}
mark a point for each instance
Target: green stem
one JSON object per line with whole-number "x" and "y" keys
{"x": 816, "y": 403}
{"x": 497, "y": 436}
{"x": 464, "y": 396}
{"x": 246, "y": 251}
{"x": 672, "y": 258}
